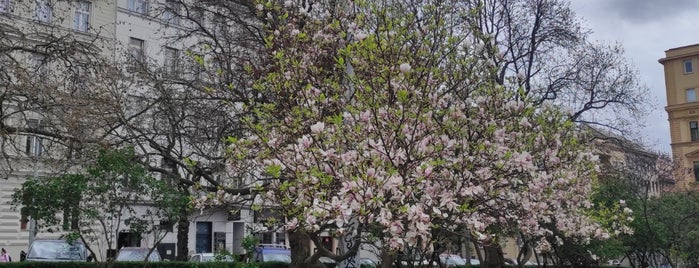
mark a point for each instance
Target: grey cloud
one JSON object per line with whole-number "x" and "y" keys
{"x": 640, "y": 11}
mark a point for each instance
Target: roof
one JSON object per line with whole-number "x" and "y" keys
{"x": 680, "y": 52}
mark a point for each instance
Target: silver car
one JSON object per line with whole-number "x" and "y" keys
{"x": 56, "y": 250}
{"x": 137, "y": 254}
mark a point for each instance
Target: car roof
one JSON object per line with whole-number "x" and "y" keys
{"x": 137, "y": 248}
{"x": 55, "y": 239}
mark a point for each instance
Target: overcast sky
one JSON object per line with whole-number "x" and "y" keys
{"x": 645, "y": 28}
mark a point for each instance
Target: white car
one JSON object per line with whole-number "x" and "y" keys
{"x": 452, "y": 260}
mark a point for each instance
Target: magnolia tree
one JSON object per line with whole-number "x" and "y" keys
{"x": 388, "y": 122}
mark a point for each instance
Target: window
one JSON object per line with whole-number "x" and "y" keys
{"x": 688, "y": 68}
{"x": 696, "y": 170}
{"x": 166, "y": 225}
{"x": 44, "y": 11}
{"x": 171, "y": 61}
{"x": 204, "y": 237}
{"x": 219, "y": 25}
{"x": 4, "y": 6}
{"x": 78, "y": 76}
{"x": 172, "y": 11}
{"x": 195, "y": 66}
{"x": 40, "y": 66}
{"x": 138, "y": 6}
{"x": 197, "y": 15}
{"x": 82, "y": 16}
{"x": 136, "y": 50}
{"x": 23, "y": 220}
{"x": 34, "y": 146}
{"x": 694, "y": 130}
{"x": 691, "y": 95}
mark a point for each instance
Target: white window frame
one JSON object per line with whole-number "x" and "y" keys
{"x": 691, "y": 94}
{"x": 39, "y": 64}
{"x": 137, "y": 49}
{"x": 171, "y": 12}
{"x": 5, "y": 6}
{"x": 35, "y": 143}
{"x": 691, "y": 66}
{"x": 171, "y": 59}
{"x": 43, "y": 10}
{"x": 81, "y": 21}
{"x": 138, "y": 6}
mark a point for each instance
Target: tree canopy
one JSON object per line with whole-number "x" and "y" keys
{"x": 387, "y": 116}
{"x": 115, "y": 193}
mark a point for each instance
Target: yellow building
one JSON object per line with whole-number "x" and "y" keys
{"x": 681, "y": 67}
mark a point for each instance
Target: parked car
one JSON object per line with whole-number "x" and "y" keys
{"x": 137, "y": 254}
{"x": 208, "y": 257}
{"x": 56, "y": 250}
{"x": 267, "y": 253}
{"x": 369, "y": 263}
{"x": 328, "y": 262}
{"x": 452, "y": 260}
{"x": 510, "y": 262}
{"x": 475, "y": 262}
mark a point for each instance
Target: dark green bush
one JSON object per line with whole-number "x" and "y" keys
{"x": 48, "y": 265}
{"x": 273, "y": 264}
{"x": 166, "y": 264}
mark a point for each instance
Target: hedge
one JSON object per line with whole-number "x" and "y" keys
{"x": 165, "y": 264}
{"x": 168, "y": 264}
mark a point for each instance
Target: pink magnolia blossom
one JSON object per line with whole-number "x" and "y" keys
{"x": 405, "y": 68}
{"x": 318, "y": 127}
{"x": 406, "y": 154}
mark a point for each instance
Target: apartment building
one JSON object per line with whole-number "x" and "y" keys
{"x": 681, "y": 67}
{"x": 622, "y": 158}
{"x": 172, "y": 42}
{"x": 150, "y": 37}
{"x": 28, "y": 31}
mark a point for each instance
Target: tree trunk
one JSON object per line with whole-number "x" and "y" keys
{"x": 183, "y": 235}
{"x": 301, "y": 251}
{"x": 387, "y": 259}
{"x": 493, "y": 256}
{"x": 525, "y": 252}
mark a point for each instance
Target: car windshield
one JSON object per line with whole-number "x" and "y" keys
{"x": 137, "y": 255}
{"x": 56, "y": 250}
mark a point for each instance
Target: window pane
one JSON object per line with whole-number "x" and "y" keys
{"x": 172, "y": 10}
{"x": 171, "y": 60}
{"x": 694, "y": 130}
{"x": 34, "y": 146}
{"x": 139, "y": 6}
{"x": 4, "y": 6}
{"x": 696, "y": 169}
{"x": 691, "y": 95}
{"x": 82, "y": 16}
{"x": 43, "y": 10}
{"x": 688, "y": 68}
{"x": 136, "y": 49}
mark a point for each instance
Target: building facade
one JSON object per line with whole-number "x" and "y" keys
{"x": 121, "y": 32}
{"x": 27, "y": 32}
{"x": 681, "y": 67}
